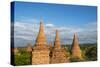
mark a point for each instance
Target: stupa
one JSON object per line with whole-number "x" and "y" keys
{"x": 58, "y": 53}
{"x": 75, "y": 50}
{"x": 40, "y": 53}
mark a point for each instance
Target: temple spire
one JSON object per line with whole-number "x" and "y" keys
{"x": 41, "y": 35}
{"x": 76, "y": 51}
{"x": 57, "y": 40}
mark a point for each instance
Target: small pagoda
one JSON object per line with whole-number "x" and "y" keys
{"x": 75, "y": 49}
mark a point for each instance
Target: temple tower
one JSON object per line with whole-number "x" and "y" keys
{"x": 41, "y": 36}
{"x": 75, "y": 50}
{"x": 41, "y": 39}
{"x": 57, "y": 41}
{"x": 58, "y": 53}
{"x": 40, "y": 53}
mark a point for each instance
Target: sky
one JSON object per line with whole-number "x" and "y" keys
{"x": 66, "y": 18}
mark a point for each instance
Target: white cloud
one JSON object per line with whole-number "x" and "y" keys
{"x": 49, "y": 25}
{"x": 29, "y": 32}
{"x": 24, "y": 29}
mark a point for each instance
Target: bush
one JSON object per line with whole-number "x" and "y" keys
{"x": 23, "y": 59}
{"x": 91, "y": 53}
{"x": 75, "y": 60}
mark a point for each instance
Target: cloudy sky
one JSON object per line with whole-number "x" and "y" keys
{"x": 66, "y": 18}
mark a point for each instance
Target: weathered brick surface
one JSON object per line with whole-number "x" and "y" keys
{"x": 40, "y": 57}
{"x": 58, "y": 54}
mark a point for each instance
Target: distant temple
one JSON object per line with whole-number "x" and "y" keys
{"x": 14, "y": 50}
{"x": 29, "y": 47}
{"x": 75, "y": 50}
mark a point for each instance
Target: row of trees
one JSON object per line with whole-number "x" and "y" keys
{"x": 89, "y": 53}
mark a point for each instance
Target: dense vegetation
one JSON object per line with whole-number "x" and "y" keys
{"x": 22, "y": 57}
{"x": 89, "y": 53}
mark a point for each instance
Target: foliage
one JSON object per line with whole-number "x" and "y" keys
{"x": 75, "y": 60}
{"x": 24, "y": 58}
{"x": 91, "y": 53}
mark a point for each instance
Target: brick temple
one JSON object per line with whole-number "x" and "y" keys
{"x": 40, "y": 53}
{"x": 43, "y": 53}
{"x": 58, "y": 53}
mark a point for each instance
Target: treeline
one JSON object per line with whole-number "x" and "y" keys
{"x": 89, "y": 53}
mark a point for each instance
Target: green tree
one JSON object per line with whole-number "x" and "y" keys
{"x": 91, "y": 53}
{"x": 23, "y": 59}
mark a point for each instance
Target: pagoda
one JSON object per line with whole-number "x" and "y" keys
{"x": 40, "y": 53}
{"x": 75, "y": 50}
{"x": 58, "y": 53}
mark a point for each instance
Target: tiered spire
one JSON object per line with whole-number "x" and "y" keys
{"x": 57, "y": 40}
{"x": 40, "y": 53}
{"x": 41, "y": 35}
{"x": 75, "y": 51}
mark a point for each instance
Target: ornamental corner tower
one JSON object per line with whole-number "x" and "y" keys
{"x": 75, "y": 50}
{"x": 40, "y": 53}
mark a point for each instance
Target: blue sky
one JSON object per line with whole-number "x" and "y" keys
{"x": 66, "y": 18}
